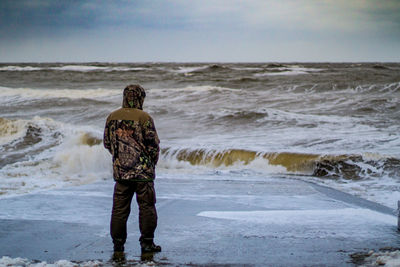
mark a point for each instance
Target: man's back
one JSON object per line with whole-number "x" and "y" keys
{"x": 131, "y": 138}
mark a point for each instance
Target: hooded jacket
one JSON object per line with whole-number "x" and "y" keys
{"x": 131, "y": 138}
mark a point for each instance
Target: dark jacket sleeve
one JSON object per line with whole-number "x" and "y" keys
{"x": 106, "y": 137}
{"x": 151, "y": 140}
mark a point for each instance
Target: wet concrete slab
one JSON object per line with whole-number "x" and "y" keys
{"x": 273, "y": 222}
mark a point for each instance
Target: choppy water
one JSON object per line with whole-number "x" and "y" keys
{"x": 335, "y": 124}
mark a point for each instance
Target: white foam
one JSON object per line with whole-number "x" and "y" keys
{"x": 248, "y": 68}
{"x": 23, "y": 262}
{"x": 199, "y": 88}
{"x": 18, "y": 94}
{"x": 283, "y": 73}
{"x": 68, "y": 159}
{"x": 290, "y": 70}
{"x": 82, "y": 68}
{"x": 77, "y": 68}
{"x": 262, "y": 165}
{"x": 13, "y": 130}
{"x": 304, "y": 217}
{"x": 19, "y": 68}
{"x": 8, "y": 261}
{"x": 76, "y": 158}
{"x": 188, "y": 69}
{"x": 29, "y": 93}
{"x": 383, "y": 190}
{"x": 125, "y": 69}
{"x": 87, "y": 68}
{"x": 388, "y": 258}
{"x": 169, "y": 163}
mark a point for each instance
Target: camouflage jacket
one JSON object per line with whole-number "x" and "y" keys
{"x": 132, "y": 140}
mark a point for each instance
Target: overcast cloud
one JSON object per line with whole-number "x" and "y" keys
{"x": 200, "y": 30}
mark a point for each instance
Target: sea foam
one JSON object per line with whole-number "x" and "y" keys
{"x": 61, "y": 155}
{"x": 30, "y": 93}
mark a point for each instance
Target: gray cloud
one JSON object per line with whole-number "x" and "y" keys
{"x": 206, "y": 30}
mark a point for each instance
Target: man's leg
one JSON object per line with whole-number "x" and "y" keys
{"x": 122, "y": 199}
{"x": 146, "y": 199}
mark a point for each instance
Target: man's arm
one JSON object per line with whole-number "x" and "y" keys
{"x": 151, "y": 140}
{"x": 106, "y": 137}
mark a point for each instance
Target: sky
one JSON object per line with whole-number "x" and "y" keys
{"x": 200, "y": 30}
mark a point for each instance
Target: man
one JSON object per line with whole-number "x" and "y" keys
{"x": 131, "y": 138}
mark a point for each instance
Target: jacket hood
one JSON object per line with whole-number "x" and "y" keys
{"x": 134, "y": 96}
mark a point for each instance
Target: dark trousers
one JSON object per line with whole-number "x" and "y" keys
{"x": 146, "y": 199}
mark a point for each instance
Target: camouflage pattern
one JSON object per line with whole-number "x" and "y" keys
{"x": 133, "y": 97}
{"x": 131, "y": 138}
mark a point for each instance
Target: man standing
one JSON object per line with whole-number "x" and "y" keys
{"x": 131, "y": 138}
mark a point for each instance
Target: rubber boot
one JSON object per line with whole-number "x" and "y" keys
{"x": 148, "y": 246}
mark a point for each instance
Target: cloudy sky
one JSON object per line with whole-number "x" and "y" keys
{"x": 199, "y": 30}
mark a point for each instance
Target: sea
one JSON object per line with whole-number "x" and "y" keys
{"x": 335, "y": 124}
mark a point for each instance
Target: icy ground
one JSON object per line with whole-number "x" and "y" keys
{"x": 277, "y": 222}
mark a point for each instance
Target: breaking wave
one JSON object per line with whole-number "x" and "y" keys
{"x": 19, "y": 68}
{"x": 11, "y": 130}
{"x": 203, "y": 69}
{"x": 29, "y": 93}
{"x": 41, "y": 153}
{"x": 21, "y": 139}
{"x": 74, "y": 68}
{"x": 349, "y": 167}
{"x": 278, "y": 69}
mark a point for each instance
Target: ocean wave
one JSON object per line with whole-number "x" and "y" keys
{"x": 244, "y": 80}
{"x": 276, "y": 117}
{"x": 380, "y": 67}
{"x": 14, "y": 131}
{"x": 198, "y": 88}
{"x": 275, "y": 65}
{"x": 239, "y": 116}
{"x": 216, "y": 67}
{"x": 83, "y": 68}
{"x": 22, "y": 139}
{"x": 29, "y": 93}
{"x": 283, "y": 73}
{"x": 74, "y": 68}
{"x": 189, "y": 69}
{"x": 7, "y": 93}
{"x": 277, "y": 70}
{"x": 347, "y": 167}
{"x": 87, "y": 68}
{"x": 388, "y": 88}
{"x": 11, "y": 130}
{"x": 82, "y": 154}
{"x": 42, "y": 153}
{"x": 199, "y": 69}
{"x": 247, "y": 68}
{"x": 20, "y": 68}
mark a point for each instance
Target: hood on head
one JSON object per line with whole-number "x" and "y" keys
{"x": 134, "y": 96}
